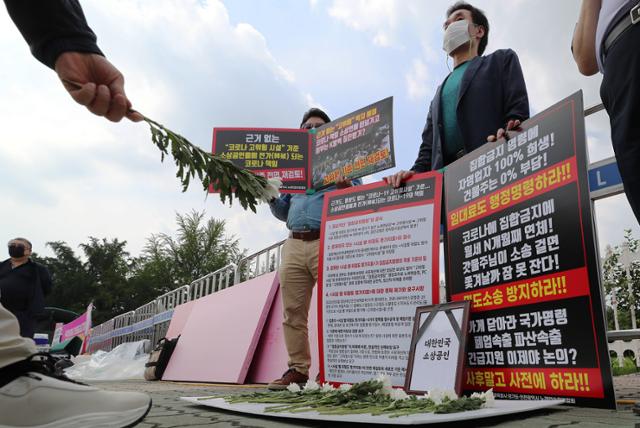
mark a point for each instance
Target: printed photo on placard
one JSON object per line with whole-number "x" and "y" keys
{"x": 521, "y": 247}
{"x": 268, "y": 152}
{"x": 355, "y": 145}
{"x": 378, "y": 261}
{"x": 436, "y": 357}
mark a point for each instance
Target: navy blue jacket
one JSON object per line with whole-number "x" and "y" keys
{"x": 52, "y": 27}
{"x": 492, "y": 92}
{"x": 22, "y": 291}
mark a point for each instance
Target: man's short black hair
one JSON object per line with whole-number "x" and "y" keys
{"x": 25, "y": 240}
{"x": 478, "y": 17}
{"x": 315, "y": 112}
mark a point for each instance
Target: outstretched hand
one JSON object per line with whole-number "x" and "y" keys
{"x": 95, "y": 83}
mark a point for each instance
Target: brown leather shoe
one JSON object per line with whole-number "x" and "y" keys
{"x": 289, "y": 377}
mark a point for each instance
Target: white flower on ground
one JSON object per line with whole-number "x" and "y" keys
{"x": 398, "y": 394}
{"x": 311, "y": 385}
{"x": 489, "y": 399}
{"x": 327, "y": 387}
{"x": 438, "y": 395}
{"x": 293, "y": 387}
{"x": 345, "y": 387}
{"x": 386, "y": 384}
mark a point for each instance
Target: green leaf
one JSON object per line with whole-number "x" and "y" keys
{"x": 192, "y": 161}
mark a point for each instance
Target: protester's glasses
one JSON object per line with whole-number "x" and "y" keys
{"x": 311, "y": 125}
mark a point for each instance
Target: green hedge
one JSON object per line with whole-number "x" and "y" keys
{"x": 628, "y": 366}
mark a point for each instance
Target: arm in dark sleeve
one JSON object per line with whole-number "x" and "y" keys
{"x": 516, "y": 100}
{"x": 45, "y": 280}
{"x": 423, "y": 162}
{"x": 280, "y": 206}
{"x": 52, "y": 27}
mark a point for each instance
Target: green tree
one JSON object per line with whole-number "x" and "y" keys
{"x": 108, "y": 265}
{"x": 615, "y": 279}
{"x": 72, "y": 285}
{"x": 199, "y": 247}
{"x": 117, "y": 283}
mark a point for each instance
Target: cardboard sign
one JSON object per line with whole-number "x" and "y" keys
{"x": 268, "y": 152}
{"x": 520, "y": 246}
{"x": 437, "y": 355}
{"x": 355, "y": 145}
{"x": 378, "y": 261}
{"x": 79, "y": 327}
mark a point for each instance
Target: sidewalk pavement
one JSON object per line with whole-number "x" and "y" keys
{"x": 169, "y": 411}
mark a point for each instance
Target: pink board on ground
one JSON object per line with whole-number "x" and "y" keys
{"x": 270, "y": 359}
{"x": 179, "y": 319}
{"x": 221, "y": 334}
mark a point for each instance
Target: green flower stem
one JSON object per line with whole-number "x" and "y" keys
{"x": 226, "y": 177}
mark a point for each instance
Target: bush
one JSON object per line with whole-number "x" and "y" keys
{"x": 628, "y": 366}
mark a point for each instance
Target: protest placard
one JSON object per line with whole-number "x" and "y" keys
{"x": 355, "y": 145}
{"x": 378, "y": 262}
{"x": 269, "y": 152}
{"x": 436, "y": 356}
{"x": 520, "y": 246}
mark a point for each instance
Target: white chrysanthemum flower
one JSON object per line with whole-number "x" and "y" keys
{"x": 450, "y": 394}
{"x": 345, "y": 387}
{"x": 435, "y": 395}
{"x": 293, "y": 387}
{"x": 386, "y": 384}
{"x": 398, "y": 394}
{"x": 438, "y": 395}
{"x": 489, "y": 399}
{"x": 327, "y": 387}
{"x": 271, "y": 190}
{"x": 311, "y": 385}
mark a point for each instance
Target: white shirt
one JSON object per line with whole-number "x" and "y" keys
{"x": 608, "y": 10}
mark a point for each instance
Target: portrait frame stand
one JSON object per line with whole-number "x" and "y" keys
{"x": 435, "y": 364}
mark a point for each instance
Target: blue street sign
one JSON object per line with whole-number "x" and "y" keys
{"x": 604, "y": 179}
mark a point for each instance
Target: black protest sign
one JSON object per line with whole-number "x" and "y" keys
{"x": 520, "y": 246}
{"x": 269, "y": 152}
{"x": 355, "y": 145}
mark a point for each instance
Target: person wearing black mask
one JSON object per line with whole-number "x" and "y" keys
{"x": 23, "y": 285}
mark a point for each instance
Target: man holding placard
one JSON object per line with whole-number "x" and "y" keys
{"x": 299, "y": 267}
{"x": 480, "y": 95}
{"x": 606, "y": 40}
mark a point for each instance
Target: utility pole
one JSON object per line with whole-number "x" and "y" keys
{"x": 614, "y": 304}
{"x": 626, "y": 261}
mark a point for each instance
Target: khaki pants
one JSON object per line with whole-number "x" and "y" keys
{"x": 13, "y": 347}
{"x": 298, "y": 274}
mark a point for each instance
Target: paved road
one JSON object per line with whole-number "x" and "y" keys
{"x": 168, "y": 411}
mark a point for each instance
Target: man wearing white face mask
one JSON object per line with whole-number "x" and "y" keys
{"x": 481, "y": 95}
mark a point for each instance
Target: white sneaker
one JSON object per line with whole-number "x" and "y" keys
{"x": 33, "y": 399}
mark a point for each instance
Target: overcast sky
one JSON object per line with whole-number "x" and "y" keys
{"x": 66, "y": 175}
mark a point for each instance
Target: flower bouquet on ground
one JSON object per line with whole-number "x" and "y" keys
{"x": 375, "y": 396}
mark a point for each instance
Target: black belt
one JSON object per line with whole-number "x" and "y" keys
{"x": 308, "y": 235}
{"x": 628, "y": 19}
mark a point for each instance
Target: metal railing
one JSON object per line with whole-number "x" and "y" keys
{"x": 215, "y": 281}
{"x": 261, "y": 262}
{"x": 151, "y": 320}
